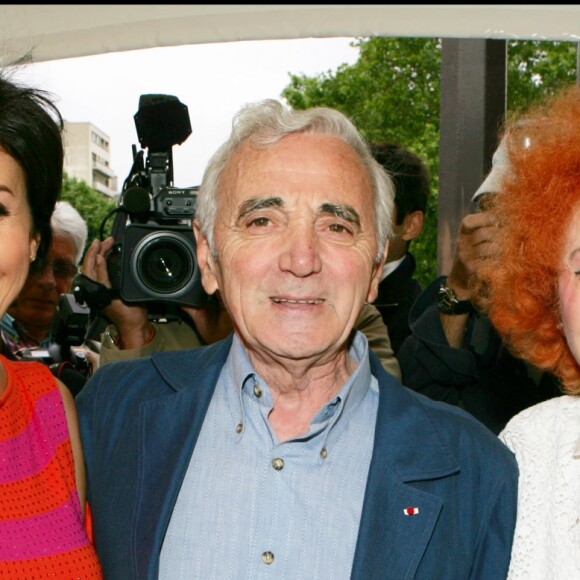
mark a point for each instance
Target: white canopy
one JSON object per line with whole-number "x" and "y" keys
{"x": 58, "y": 31}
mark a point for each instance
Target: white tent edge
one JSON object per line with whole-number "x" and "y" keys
{"x": 50, "y": 32}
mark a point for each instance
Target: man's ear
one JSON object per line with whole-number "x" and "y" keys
{"x": 412, "y": 225}
{"x": 376, "y": 276}
{"x": 205, "y": 261}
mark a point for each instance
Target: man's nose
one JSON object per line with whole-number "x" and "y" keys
{"x": 46, "y": 277}
{"x": 301, "y": 251}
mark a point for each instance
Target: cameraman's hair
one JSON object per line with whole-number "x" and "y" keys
{"x": 31, "y": 133}
{"x": 67, "y": 221}
{"x": 410, "y": 176}
{"x": 267, "y": 122}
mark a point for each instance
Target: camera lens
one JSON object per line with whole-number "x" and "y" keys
{"x": 164, "y": 263}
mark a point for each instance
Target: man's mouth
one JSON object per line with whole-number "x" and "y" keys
{"x": 297, "y": 301}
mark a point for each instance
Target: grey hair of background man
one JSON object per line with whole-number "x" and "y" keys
{"x": 67, "y": 221}
{"x": 267, "y": 122}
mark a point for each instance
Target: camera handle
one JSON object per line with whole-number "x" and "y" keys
{"x": 94, "y": 294}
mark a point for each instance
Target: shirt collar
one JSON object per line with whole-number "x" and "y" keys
{"x": 9, "y": 326}
{"x": 390, "y": 267}
{"x": 239, "y": 372}
{"x": 16, "y": 336}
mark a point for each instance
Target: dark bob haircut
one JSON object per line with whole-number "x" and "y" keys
{"x": 31, "y": 133}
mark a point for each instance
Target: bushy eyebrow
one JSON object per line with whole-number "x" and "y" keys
{"x": 257, "y": 204}
{"x": 345, "y": 212}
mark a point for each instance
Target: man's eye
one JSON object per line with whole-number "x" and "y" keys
{"x": 339, "y": 229}
{"x": 259, "y": 222}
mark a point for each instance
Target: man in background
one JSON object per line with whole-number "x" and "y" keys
{"x": 453, "y": 353}
{"x": 397, "y": 288}
{"x": 29, "y": 319}
{"x": 27, "y": 328}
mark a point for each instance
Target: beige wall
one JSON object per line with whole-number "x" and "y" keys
{"x": 87, "y": 157}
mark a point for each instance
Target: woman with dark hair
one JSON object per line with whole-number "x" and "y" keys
{"x": 530, "y": 287}
{"x": 43, "y": 532}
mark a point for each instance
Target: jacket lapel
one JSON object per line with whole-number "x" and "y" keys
{"x": 398, "y": 519}
{"x": 389, "y": 542}
{"x": 169, "y": 428}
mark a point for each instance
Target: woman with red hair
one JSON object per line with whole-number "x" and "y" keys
{"x": 530, "y": 288}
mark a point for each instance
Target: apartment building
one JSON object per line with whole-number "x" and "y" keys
{"x": 87, "y": 156}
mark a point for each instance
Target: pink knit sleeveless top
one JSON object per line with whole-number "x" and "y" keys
{"x": 41, "y": 523}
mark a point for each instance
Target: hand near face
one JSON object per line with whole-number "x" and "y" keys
{"x": 212, "y": 321}
{"x": 131, "y": 320}
{"x": 476, "y": 232}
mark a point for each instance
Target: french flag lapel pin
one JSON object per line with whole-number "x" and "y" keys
{"x": 411, "y": 511}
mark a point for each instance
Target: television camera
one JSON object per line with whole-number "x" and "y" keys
{"x": 153, "y": 261}
{"x": 69, "y": 329}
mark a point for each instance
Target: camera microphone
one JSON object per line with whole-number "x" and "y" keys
{"x": 137, "y": 202}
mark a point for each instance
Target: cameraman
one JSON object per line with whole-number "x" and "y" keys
{"x": 131, "y": 335}
{"x": 28, "y": 322}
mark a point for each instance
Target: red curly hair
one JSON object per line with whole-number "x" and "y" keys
{"x": 517, "y": 286}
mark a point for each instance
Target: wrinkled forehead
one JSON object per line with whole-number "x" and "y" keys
{"x": 62, "y": 247}
{"x": 298, "y": 164}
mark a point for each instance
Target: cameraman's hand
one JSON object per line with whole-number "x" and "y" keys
{"x": 91, "y": 356}
{"x": 476, "y": 233}
{"x": 212, "y": 320}
{"x": 133, "y": 327}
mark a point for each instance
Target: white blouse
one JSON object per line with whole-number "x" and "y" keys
{"x": 546, "y": 441}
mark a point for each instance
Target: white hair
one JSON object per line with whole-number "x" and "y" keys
{"x": 267, "y": 122}
{"x": 67, "y": 221}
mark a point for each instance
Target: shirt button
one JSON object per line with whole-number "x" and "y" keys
{"x": 239, "y": 428}
{"x": 257, "y": 390}
{"x": 278, "y": 464}
{"x": 323, "y": 453}
{"x": 267, "y": 557}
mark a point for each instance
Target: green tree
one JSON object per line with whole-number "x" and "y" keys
{"x": 536, "y": 69}
{"x": 91, "y": 204}
{"x": 392, "y": 93}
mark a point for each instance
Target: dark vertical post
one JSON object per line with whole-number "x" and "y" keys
{"x": 473, "y": 105}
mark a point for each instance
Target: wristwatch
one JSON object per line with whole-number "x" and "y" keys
{"x": 448, "y": 304}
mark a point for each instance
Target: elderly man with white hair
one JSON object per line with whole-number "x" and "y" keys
{"x": 28, "y": 326}
{"x": 286, "y": 450}
{"x": 29, "y": 319}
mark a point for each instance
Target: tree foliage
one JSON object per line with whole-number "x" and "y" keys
{"x": 392, "y": 93}
{"x": 91, "y": 204}
{"x": 537, "y": 69}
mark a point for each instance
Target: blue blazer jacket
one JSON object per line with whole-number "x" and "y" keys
{"x": 140, "y": 421}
